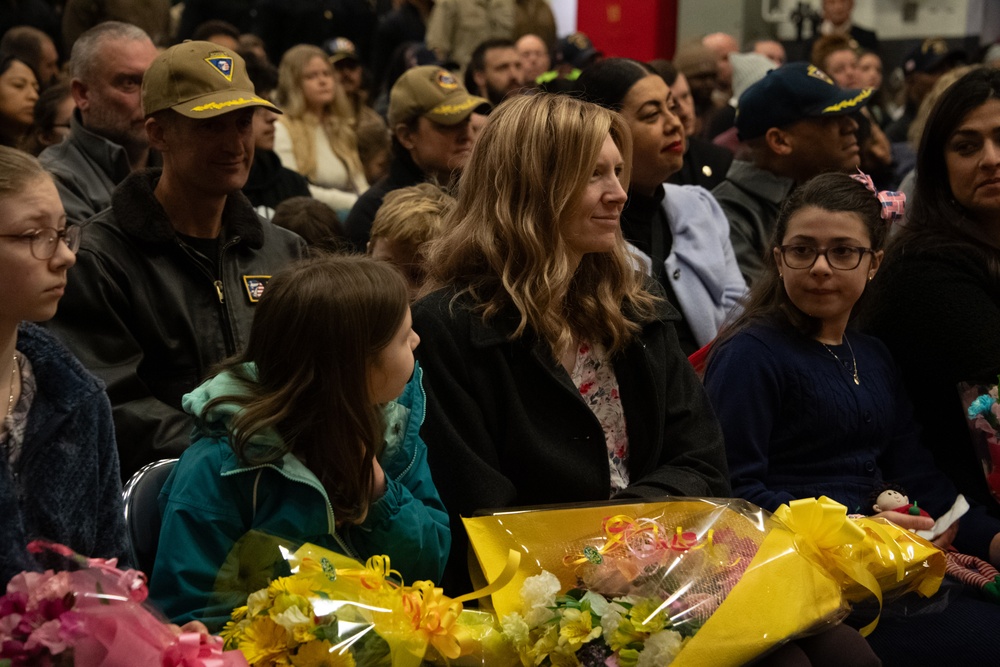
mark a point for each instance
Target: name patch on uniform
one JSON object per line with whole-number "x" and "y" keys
{"x": 255, "y": 286}
{"x": 222, "y": 64}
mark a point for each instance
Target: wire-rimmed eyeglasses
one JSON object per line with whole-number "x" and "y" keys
{"x": 44, "y": 241}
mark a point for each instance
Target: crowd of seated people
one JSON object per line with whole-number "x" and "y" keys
{"x": 371, "y": 275}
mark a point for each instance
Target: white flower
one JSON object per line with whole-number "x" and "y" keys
{"x": 611, "y": 618}
{"x": 660, "y": 649}
{"x": 538, "y": 593}
{"x": 516, "y": 629}
{"x": 292, "y": 618}
{"x": 598, "y": 603}
{"x": 258, "y": 602}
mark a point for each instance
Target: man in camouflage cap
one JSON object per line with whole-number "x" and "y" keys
{"x": 430, "y": 117}
{"x": 167, "y": 278}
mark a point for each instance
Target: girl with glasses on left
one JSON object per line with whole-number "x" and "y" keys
{"x": 59, "y": 476}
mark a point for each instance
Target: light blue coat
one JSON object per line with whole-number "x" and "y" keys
{"x": 701, "y": 267}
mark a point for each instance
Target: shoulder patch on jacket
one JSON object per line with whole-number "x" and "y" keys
{"x": 255, "y": 286}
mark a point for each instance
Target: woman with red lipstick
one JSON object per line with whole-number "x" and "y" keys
{"x": 59, "y": 476}
{"x": 553, "y": 373}
{"x": 937, "y": 306}
{"x": 679, "y": 232}
{"x": 809, "y": 408}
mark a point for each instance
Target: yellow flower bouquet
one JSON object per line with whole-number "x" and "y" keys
{"x": 688, "y": 581}
{"x": 333, "y": 611}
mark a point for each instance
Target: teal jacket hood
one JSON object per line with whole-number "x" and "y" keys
{"x": 403, "y": 416}
{"x": 216, "y": 420}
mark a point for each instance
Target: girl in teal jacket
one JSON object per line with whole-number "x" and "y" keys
{"x": 311, "y": 435}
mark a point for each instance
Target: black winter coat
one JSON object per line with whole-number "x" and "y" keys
{"x": 507, "y": 427}
{"x": 938, "y": 312}
{"x": 144, "y": 312}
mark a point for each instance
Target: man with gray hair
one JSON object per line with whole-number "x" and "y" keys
{"x": 107, "y": 139}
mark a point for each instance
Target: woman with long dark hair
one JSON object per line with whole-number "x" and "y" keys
{"x": 937, "y": 303}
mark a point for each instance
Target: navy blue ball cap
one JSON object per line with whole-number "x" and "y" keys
{"x": 791, "y": 93}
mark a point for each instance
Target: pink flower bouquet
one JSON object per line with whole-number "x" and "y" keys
{"x": 90, "y": 613}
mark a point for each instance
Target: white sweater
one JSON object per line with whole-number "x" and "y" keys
{"x": 331, "y": 184}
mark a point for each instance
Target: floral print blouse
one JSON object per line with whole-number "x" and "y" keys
{"x": 594, "y": 375}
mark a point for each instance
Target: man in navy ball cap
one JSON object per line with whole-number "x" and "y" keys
{"x": 794, "y": 124}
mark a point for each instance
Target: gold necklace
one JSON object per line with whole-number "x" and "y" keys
{"x": 854, "y": 359}
{"x": 13, "y": 376}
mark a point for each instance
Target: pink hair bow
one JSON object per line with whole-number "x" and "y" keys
{"x": 893, "y": 203}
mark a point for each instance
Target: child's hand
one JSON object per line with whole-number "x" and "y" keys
{"x": 378, "y": 488}
{"x": 907, "y": 521}
{"x": 943, "y": 541}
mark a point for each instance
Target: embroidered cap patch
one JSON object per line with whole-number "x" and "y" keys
{"x": 446, "y": 80}
{"x": 817, "y": 73}
{"x": 222, "y": 64}
{"x": 255, "y": 286}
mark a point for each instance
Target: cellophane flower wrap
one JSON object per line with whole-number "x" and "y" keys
{"x": 686, "y": 581}
{"x": 89, "y": 613}
{"x": 982, "y": 411}
{"x": 334, "y": 611}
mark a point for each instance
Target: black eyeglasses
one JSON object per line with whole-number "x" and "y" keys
{"x": 841, "y": 257}
{"x": 44, "y": 241}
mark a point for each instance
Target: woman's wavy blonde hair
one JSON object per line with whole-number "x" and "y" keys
{"x": 337, "y": 119}
{"x": 504, "y": 244}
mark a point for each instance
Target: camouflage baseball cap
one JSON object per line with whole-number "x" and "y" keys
{"x": 434, "y": 93}
{"x": 199, "y": 80}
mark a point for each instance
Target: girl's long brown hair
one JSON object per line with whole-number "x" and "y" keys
{"x": 318, "y": 328}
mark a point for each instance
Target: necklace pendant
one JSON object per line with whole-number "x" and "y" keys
{"x": 856, "y": 380}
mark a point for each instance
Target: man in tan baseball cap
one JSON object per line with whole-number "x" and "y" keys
{"x": 430, "y": 116}
{"x": 199, "y": 80}
{"x": 168, "y": 278}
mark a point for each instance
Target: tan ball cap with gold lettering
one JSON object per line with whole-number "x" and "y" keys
{"x": 199, "y": 80}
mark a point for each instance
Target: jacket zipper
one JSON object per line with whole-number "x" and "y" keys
{"x": 423, "y": 414}
{"x": 229, "y": 338}
{"x": 227, "y": 323}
